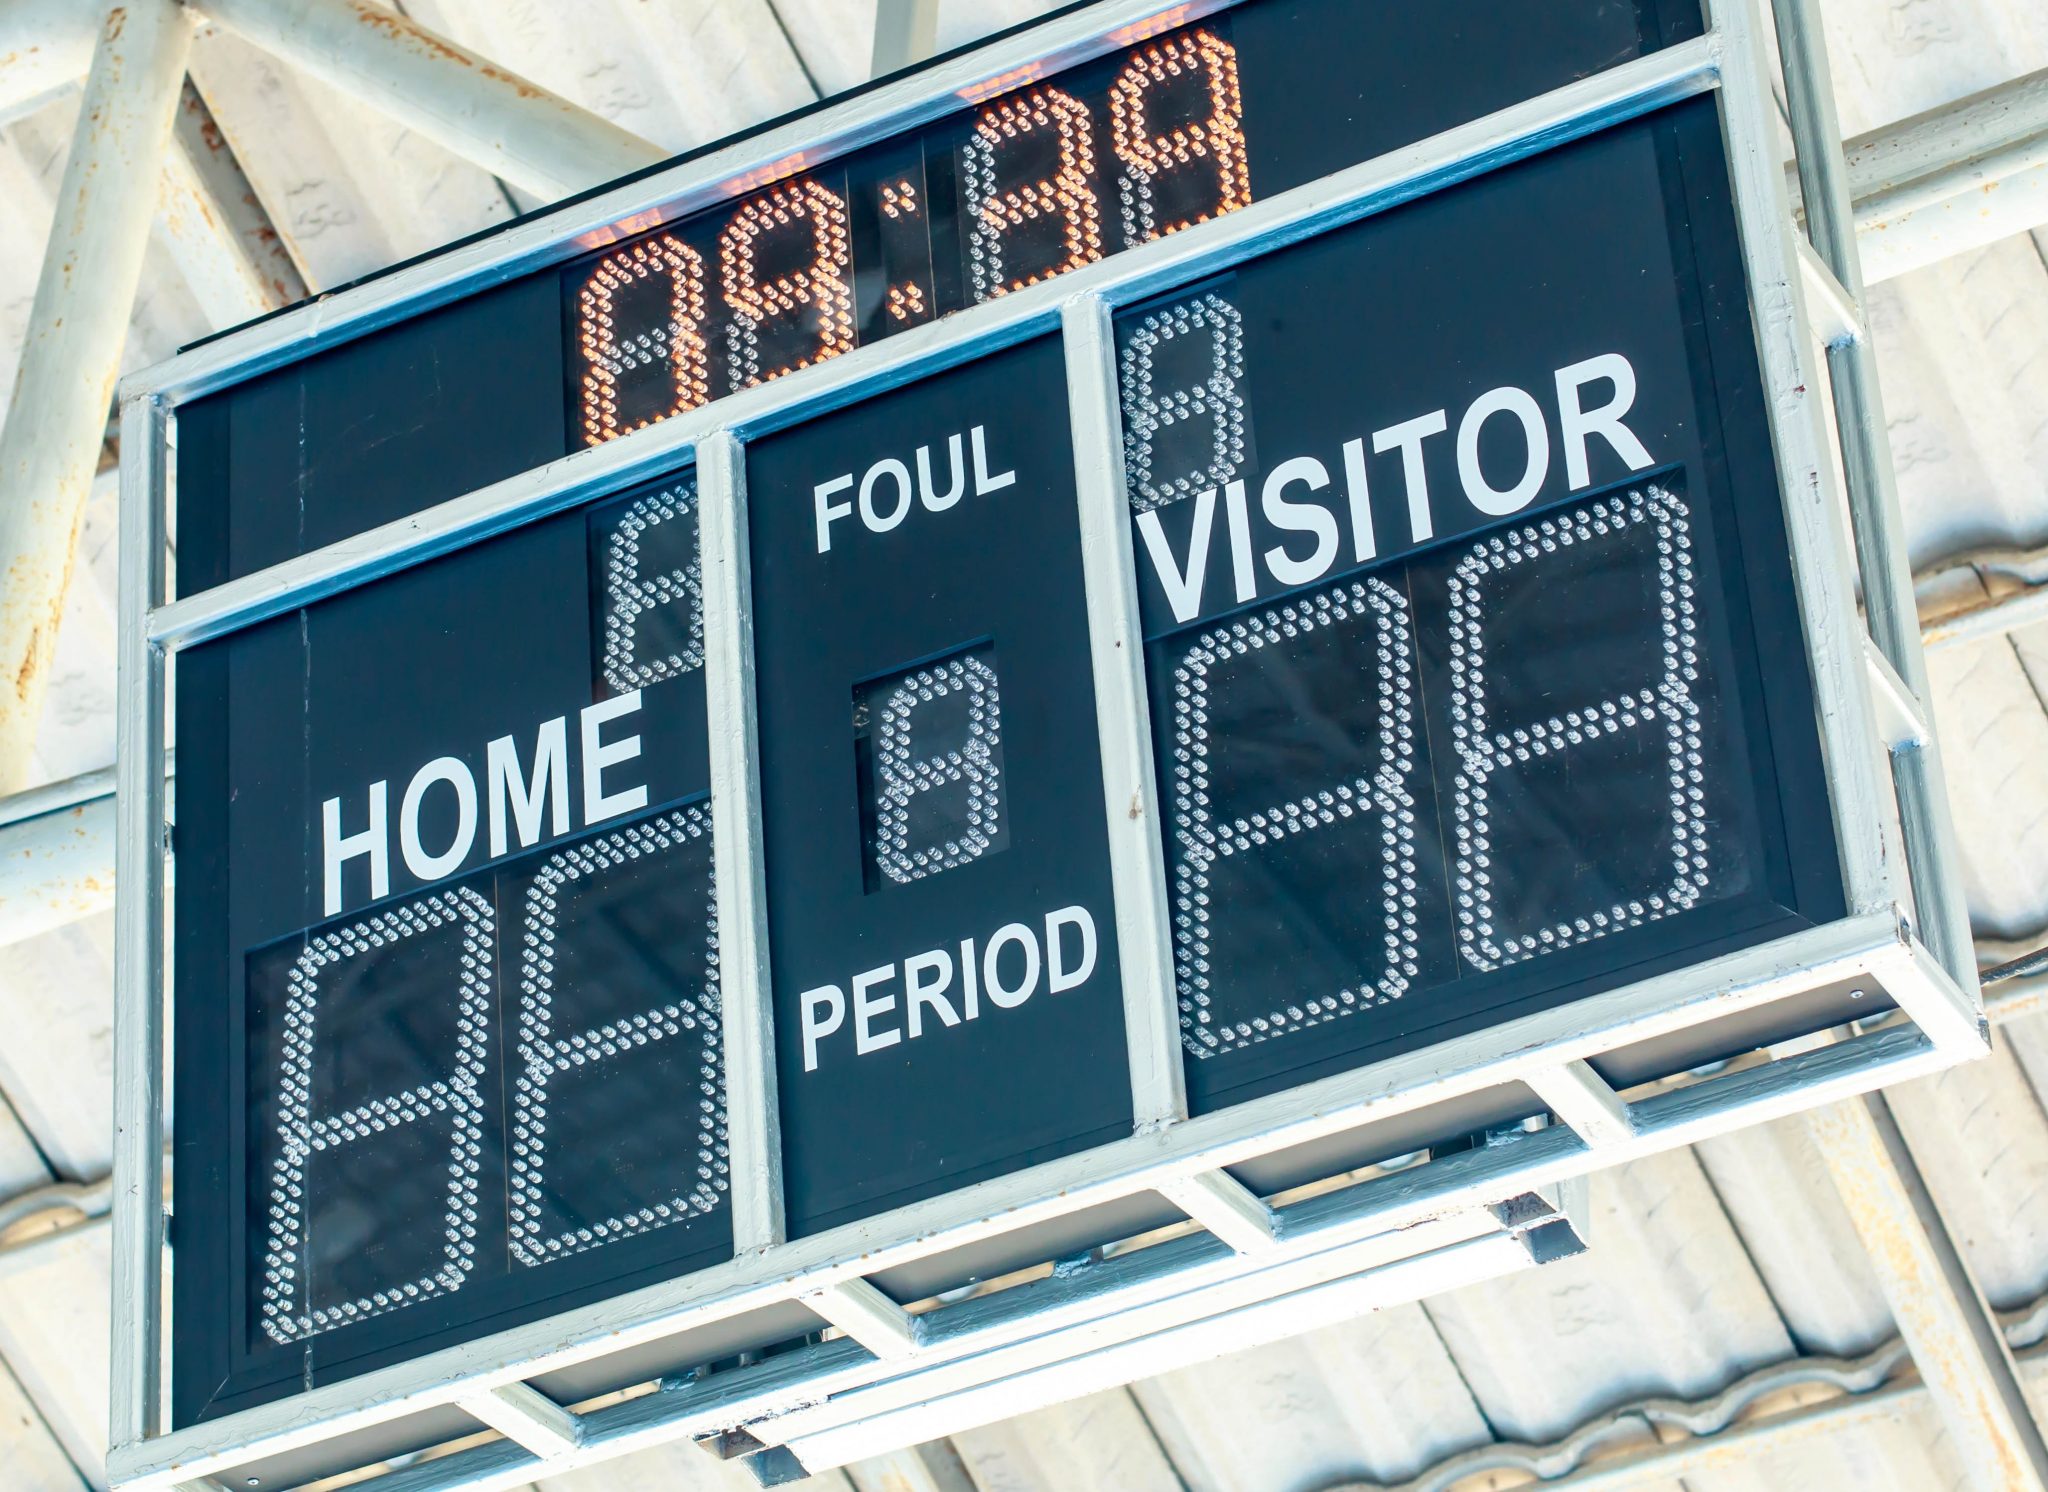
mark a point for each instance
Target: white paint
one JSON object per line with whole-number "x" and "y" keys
{"x": 598, "y": 754}
{"x": 425, "y": 865}
{"x": 885, "y": 488}
{"x": 523, "y": 791}
{"x": 1056, "y": 954}
{"x": 525, "y": 797}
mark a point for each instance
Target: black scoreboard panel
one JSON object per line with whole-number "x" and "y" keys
{"x": 1458, "y": 548}
{"x": 1459, "y": 544}
{"x": 448, "y": 1036}
{"x": 1014, "y": 187}
{"x": 942, "y": 940}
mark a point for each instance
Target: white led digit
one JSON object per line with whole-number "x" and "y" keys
{"x": 1214, "y": 143}
{"x": 1486, "y": 745}
{"x": 995, "y": 211}
{"x": 902, "y": 776}
{"x": 290, "y": 1310}
{"x": 1150, "y": 410}
{"x": 630, "y": 593}
{"x": 613, "y": 354}
{"x": 823, "y": 284}
{"x": 545, "y": 1050}
{"x": 1209, "y": 833}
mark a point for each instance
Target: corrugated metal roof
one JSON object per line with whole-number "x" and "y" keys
{"x": 1709, "y": 1263}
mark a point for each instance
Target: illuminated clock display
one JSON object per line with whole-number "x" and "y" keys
{"x": 1026, "y": 186}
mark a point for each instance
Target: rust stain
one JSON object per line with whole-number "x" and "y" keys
{"x": 399, "y": 29}
{"x": 518, "y": 84}
{"x": 117, "y": 22}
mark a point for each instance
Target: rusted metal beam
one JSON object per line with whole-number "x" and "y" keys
{"x": 513, "y": 128}
{"x": 56, "y": 855}
{"x": 1951, "y": 180}
{"x": 217, "y": 228}
{"x": 1942, "y": 1314}
{"x": 2015, "y": 582}
{"x": 50, "y": 445}
{"x": 906, "y": 32}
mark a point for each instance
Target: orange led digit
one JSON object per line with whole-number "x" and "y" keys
{"x": 820, "y": 286}
{"x": 1152, "y": 150}
{"x": 660, "y": 369}
{"x": 1000, "y": 212}
{"x": 765, "y": 283}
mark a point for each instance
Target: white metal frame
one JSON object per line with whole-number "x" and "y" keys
{"x": 1890, "y": 896}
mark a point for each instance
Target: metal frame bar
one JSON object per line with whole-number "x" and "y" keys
{"x": 753, "y": 1127}
{"x": 1941, "y": 1310}
{"x": 1144, "y": 924}
{"x": 1878, "y": 527}
{"x": 139, "y": 985}
{"x": 1109, "y": 1305}
{"x": 1168, "y": 1154}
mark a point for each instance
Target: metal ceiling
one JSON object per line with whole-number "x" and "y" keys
{"x": 1730, "y": 1328}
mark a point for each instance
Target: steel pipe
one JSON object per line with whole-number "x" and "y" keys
{"x": 513, "y": 128}
{"x": 1951, "y": 180}
{"x": 56, "y": 856}
{"x": 1949, "y": 1327}
{"x": 232, "y": 257}
{"x": 1948, "y": 181}
{"x": 2025, "y": 602}
{"x": 50, "y": 445}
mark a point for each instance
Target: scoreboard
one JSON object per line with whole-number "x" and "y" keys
{"x": 1179, "y": 607}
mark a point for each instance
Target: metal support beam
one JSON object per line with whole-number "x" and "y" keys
{"x": 50, "y": 446}
{"x": 1951, "y": 180}
{"x": 2018, "y": 599}
{"x": 232, "y": 257}
{"x": 1226, "y": 1208}
{"x": 1581, "y": 1098}
{"x": 524, "y": 1414}
{"x": 56, "y": 855}
{"x": 906, "y": 32}
{"x": 513, "y": 128}
{"x": 1871, "y": 481}
{"x": 868, "y": 1316}
{"x": 1954, "y": 1339}
{"x": 1942, "y": 1314}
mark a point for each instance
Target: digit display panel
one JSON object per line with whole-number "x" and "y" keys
{"x": 459, "y": 1062}
{"x": 1456, "y": 554}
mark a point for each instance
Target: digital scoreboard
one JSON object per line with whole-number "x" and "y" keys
{"x": 683, "y": 860}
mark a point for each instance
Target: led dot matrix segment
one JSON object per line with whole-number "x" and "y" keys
{"x": 1025, "y": 186}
